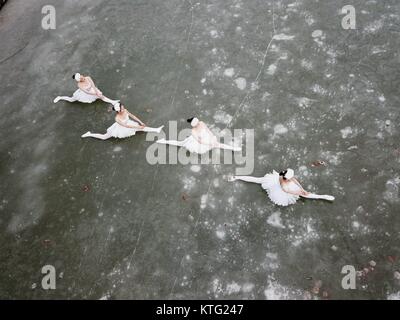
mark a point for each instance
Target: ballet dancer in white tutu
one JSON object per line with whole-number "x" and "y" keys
{"x": 283, "y": 188}
{"x": 201, "y": 140}
{"x": 87, "y": 91}
{"x": 123, "y": 127}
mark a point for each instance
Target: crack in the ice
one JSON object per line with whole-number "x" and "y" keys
{"x": 240, "y": 105}
{"x": 259, "y": 72}
{"x": 189, "y": 32}
{"x": 137, "y": 243}
{"x": 141, "y": 228}
{"x": 15, "y": 53}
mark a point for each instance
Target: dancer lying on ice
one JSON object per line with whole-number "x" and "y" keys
{"x": 201, "y": 140}
{"x": 123, "y": 126}
{"x": 87, "y": 91}
{"x": 283, "y": 189}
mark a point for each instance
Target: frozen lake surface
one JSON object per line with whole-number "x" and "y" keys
{"x": 116, "y": 227}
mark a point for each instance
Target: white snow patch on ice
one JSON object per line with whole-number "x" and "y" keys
{"x": 282, "y": 36}
{"x": 203, "y": 201}
{"x": 392, "y": 190}
{"x": 318, "y": 89}
{"x": 265, "y": 96}
{"x": 305, "y": 234}
{"x": 241, "y": 83}
{"x": 248, "y": 287}
{"x": 229, "y": 72}
{"x": 394, "y": 296}
{"x": 189, "y": 183}
{"x": 306, "y": 64}
{"x": 280, "y": 129}
{"x": 222, "y": 117}
{"x": 220, "y": 233}
{"x": 276, "y": 291}
{"x": 309, "y": 19}
{"x": 216, "y": 286}
{"x": 346, "y": 132}
{"x": 275, "y": 220}
{"x": 271, "y": 69}
{"x": 271, "y": 261}
{"x": 195, "y": 168}
{"x": 374, "y": 26}
{"x": 216, "y": 182}
{"x": 304, "y": 102}
{"x": 233, "y": 287}
{"x": 316, "y": 33}
{"x": 214, "y": 33}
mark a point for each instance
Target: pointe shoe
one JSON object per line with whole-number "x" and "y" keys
{"x": 56, "y": 100}
{"x": 160, "y": 128}
{"x": 87, "y": 134}
{"x": 237, "y": 149}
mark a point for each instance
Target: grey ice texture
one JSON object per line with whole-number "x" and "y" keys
{"x": 115, "y": 227}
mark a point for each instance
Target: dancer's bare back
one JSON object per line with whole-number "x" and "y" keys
{"x": 87, "y": 85}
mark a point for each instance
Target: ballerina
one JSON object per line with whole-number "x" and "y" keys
{"x": 87, "y": 91}
{"x": 283, "y": 189}
{"x": 201, "y": 140}
{"x": 123, "y": 126}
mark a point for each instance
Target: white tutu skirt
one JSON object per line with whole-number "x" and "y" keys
{"x": 193, "y": 145}
{"x": 118, "y": 131}
{"x": 275, "y": 192}
{"x": 82, "y": 96}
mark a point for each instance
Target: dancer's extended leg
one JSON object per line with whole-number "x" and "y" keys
{"x": 149, "y": 129}
{"x": 171, "y": 142}
{"x": 250, "y": 179}
{"x": 227, "y": 147}
{"x": 97, "y": 135}
{"x": 69, "y": 99}
{"x": 105, "y": 99}
{"x": 319, "y": 196}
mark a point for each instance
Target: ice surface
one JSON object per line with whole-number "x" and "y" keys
{"x": 115, "y": 226}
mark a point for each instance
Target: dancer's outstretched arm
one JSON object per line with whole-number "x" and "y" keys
{"x": 97, "y": 92}
{"x": 249, "y": 179}
{"x": 310, "y": 195}
{"x": 209, "y": 131}
{"x": 92, "y": 90}
{"x": 303, "y": 192}
{"x": 129, "y": 126}
{"x": 218, "y": 144}
{"x": 136, "y": 118}
{"x": 296, "y": 193}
